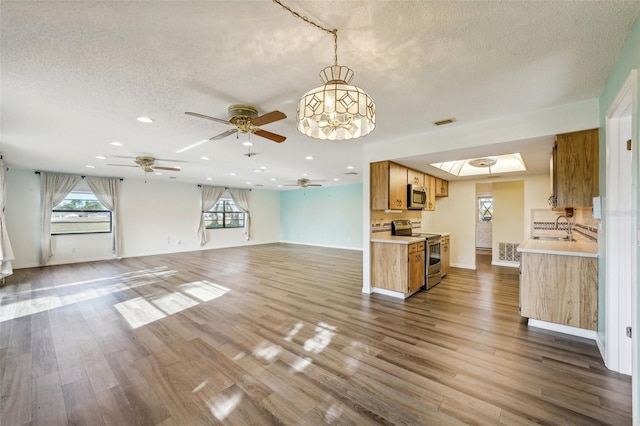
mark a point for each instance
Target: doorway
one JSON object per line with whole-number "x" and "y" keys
{"x": 484, "y": 219}
{"x": 619, "y": 231}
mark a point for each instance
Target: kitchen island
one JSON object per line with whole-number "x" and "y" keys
{"x": 559, "y": 281}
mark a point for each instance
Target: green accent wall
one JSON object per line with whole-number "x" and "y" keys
{"x": 324, "y": 216}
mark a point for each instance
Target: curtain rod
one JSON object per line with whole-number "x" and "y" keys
{"x": 82, "y": 176}
{"x": 226, "y": 187}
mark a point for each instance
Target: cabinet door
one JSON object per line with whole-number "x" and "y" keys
{"x": 576, "y": 168}
{"x": 397, "y": 186}
{"x": 430, "y": 184}
{"x": 442, "y": 188}
{"x": 444, "y": 265}
{"x": 416, "y": 270}
{"x": 415, "y": 178}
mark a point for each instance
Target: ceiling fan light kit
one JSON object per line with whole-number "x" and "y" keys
{"x": 336, "y": 110}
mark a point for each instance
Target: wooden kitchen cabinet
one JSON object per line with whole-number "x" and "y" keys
{"x": 430, "y": 184}
{"x": 415, "y": 178}
{"x": 445, "y": 258}
{"x": 442, "y": 188}
{"x": 560, "y": 289}
{"x": 574, "y": 171}
{"x": 388, "y": 186}
{"x": 398, "y": 267}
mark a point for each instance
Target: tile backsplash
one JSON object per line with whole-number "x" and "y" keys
{"x": 381, "y": 221}
{"x": 543, "y": 222}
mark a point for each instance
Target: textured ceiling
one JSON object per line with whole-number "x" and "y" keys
{"x": 75, "y": 75}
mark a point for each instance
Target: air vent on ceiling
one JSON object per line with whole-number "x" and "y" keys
{"x": 443, "y": 122}
{"x": 352, "y": 173}
{"x": 250, "y": 154}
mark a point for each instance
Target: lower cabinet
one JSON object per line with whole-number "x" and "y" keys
{"x": 560, "y": 289}
{"x": 444, "y": 255}
{"x": 398, "y": 267}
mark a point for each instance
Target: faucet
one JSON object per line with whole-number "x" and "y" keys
{"x": 569, "y": 232}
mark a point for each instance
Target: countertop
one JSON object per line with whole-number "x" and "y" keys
{"x": 392, "y": 239}
{"x": 582, "y": 247}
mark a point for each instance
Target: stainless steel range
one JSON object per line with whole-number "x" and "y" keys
{"x": 402, "y": 227}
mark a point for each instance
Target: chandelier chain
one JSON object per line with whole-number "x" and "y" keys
{"x": 334, "y": 32}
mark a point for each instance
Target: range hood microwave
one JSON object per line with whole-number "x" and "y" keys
{"x": 416, "y": 197}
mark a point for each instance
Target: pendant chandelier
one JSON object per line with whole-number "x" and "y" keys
{"x": 335, "y": 110}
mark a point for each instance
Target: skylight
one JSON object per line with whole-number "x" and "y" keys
{"x": 490, "y": 165}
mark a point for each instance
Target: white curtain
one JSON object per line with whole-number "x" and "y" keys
{"x": 6, "y": 252}
{"x": 241, "y": 200}
{"x": 107, "y": 191}
{"x": 53, "y": 189}
{"x": 210, "y": 196}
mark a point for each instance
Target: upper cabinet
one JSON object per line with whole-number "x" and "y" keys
{"x": 388, "y": 186}
{"x": 574, "y": 171}
{"x": 430, "y": 184}
{"x": 415, "y": 178}
{"x": 442, "y": 188}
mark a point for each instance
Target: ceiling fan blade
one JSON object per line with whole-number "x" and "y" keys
{"x": 224, "y": 135}
{"x": 171, "y": 169}
{"x": 314, "y": 184}
{"x": 123, "y": 165}
{"x": 195, "y": 114}
{"x": 193, "y": 145}
{"x": 169, "y": 160}
{"x": 269, "y": 117}
{"x": 268, "y": 135}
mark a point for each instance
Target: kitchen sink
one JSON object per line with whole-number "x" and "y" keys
{"x": 552, "y": 238}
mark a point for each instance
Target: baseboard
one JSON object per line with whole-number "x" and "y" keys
{"x": 600, "y": 345}
{"x": 463, "y": 266}
{"x": 390, "y": 293}
{"x": 566, "y": 329}
{"x": 322, "y": 245}
{"x": 503, "y": 263}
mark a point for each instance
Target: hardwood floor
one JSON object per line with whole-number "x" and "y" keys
{"x": 281, "y": 334}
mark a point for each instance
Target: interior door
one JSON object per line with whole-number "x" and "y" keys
{"x": 484, "y": 223}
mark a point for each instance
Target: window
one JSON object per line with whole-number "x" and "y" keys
{"x": 80, "y": 213}
{"x": 225, "y": 214}
{"x": 485, "y": 210}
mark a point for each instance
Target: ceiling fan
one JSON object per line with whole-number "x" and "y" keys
{"x": 147, "y": 164}
{"x": 304, "y": 182}
{"x": 246, "y": 120}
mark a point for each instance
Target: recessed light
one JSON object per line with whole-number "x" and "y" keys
{"x": 336, "y": 179}
{"x": 204, "y": 158}
{"x": 308, "y": 157}
{"x": 349, "y": 167}
{"x": 263, "y": 167}
{"x": 101, "y": 157}
{"x": 248, "y": 183}
{"x": 116, "y": 143}
{"x": 257, "y": 170}
{"x": 88, "y": 166}
{"x": 305, "y": 174}
{"x": 273, "y": 179}
{"x": 247, "y": 143}
{"x": 232, "y": 174}
{"x": 146, "y": 120}
{"x": 209, "y": 178}
{"x": 159, "y": 174}
{"x": 279, "y": 186}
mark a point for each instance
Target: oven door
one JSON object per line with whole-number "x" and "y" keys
{"x": 433, "y": 256}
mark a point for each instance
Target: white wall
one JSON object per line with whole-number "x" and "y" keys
{"x": 508, "y": 214}
{"x": 157, "y": 217}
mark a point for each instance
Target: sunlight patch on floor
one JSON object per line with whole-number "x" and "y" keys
{"x": 267, "y": 351}
{"x": 138, "y": 312}
{"x": 296, "y": 328}
{"x": 221, "y": 406}
{"x": 324, "y": 333}
{"x": 203, "y": 290}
